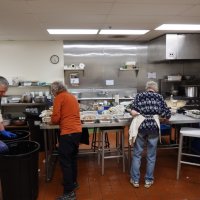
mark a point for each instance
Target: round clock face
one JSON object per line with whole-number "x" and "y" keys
{"x": 54, "y": 59}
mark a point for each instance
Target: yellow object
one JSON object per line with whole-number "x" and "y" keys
{"x": 175, "y": 103}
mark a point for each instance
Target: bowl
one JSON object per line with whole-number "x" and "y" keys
{"x": 187, "y": 77}
{"x": 18, "y": 122}
{"x": 46, "y": 120}
{"x": 39, "y": 99}
{"x": 175, "y": 92}
{"x": 6, "y": 122}
{"x": 175, "y": 103}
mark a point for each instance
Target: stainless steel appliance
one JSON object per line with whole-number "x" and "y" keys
{"x": 191, "y": 91}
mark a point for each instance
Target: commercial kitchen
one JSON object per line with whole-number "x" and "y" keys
{"x": 104, "y": 72}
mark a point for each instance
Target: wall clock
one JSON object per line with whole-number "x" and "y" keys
{"x": 54, "y": 59}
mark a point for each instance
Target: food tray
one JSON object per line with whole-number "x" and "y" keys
{"x": 193, "y": 113}
{"x": 105, "y": 118}
{"x": 123, "y": 118}
{"x": 88, "y": 118}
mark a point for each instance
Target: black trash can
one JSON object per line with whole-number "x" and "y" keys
{"x": 21, "y": 135}
{"x": 19, "y": 171}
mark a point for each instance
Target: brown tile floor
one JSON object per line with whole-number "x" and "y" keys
{"x": 114, "y": 185}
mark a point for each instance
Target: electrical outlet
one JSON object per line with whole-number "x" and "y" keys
{"x": 171, "y": 55}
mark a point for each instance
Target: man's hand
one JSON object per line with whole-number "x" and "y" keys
{"x": 8, "y": 134}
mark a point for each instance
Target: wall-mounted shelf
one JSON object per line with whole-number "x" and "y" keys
{"x": 73, "y": 69}
{"x": 136, "y": 70}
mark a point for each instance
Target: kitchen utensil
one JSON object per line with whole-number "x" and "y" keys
{"x": 18, "y": 122}
{"x": 27, "y": 98}
{"x": 175, "y": 92}
{"x": 39, "y": 99}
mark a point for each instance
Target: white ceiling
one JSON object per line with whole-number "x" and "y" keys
{"x": 29, "y": 19}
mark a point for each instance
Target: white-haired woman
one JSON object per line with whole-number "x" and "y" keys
{"x": 148, "y": 105}
{"x": 66, "y": 113}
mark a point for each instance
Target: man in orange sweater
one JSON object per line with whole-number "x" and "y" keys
{"x": 66, "y": 113}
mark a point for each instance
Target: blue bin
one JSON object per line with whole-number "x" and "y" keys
{"x": 165, "y": 129}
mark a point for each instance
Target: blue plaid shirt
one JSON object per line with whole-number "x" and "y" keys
{"x": 148, "y": 104}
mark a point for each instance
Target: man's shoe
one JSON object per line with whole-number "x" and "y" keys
{"x": 148, "y": 184}
{"x": 68, "y": 196}
{"x": 134, "y": 183}
{"x": 76, "y": 186}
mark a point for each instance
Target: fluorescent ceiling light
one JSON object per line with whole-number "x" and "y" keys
{"x": 93, "y": 46}
{"x": 122, "y": 32}
{"x": 72, "y": 31}
{"x": 190, "y": 27}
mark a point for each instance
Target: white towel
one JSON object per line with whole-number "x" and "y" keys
{"x": 133, "y": 130}
{"x": 135, "y": 124}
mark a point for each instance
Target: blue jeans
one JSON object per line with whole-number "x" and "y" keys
{"x": 150, "y": 157}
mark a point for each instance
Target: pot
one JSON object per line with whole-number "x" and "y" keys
{"x": 191, "y": 91}
{"x": 26, "y": 98}
{"x": 39, "y": 99}
{"x": 175, "y": 92}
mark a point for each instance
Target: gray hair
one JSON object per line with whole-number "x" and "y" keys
{"x": 152, "y": 85}
{"x": 4, "y": 82}
{"x": 57, "y": 87}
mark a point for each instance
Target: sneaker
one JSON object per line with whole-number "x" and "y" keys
{"x": 148, "y": 184}
{"x": 134, "y": 183}
{"x": 68, "y": 196}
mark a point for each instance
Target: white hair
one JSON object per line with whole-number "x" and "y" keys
{"x": 152, "y": 85}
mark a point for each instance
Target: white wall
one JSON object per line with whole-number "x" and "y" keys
{"x": 30, "y": 60}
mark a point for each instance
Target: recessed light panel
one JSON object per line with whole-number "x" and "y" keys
{"x": 122, "y": 32}
{"x": 72, "y": 31}
{"x": 185, "y": 27}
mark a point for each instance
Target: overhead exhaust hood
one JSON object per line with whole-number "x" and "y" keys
{"x": 174, "y": 47}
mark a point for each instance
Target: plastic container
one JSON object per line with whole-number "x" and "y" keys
{"x": 19, "y": 171}
{"x": 21, "y": 135}
{"x": 165, "y": 129}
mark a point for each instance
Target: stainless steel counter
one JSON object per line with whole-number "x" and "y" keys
{"x": 182, "y": 119}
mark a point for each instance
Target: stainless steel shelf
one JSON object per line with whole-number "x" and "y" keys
{"x": 23, "y": 104}
{"x": 103, "y": 98}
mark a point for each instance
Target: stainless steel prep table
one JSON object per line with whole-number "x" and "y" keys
{"x": 49, "y": 142}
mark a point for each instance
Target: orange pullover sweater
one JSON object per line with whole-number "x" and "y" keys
{"x": 66, "y": 113}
